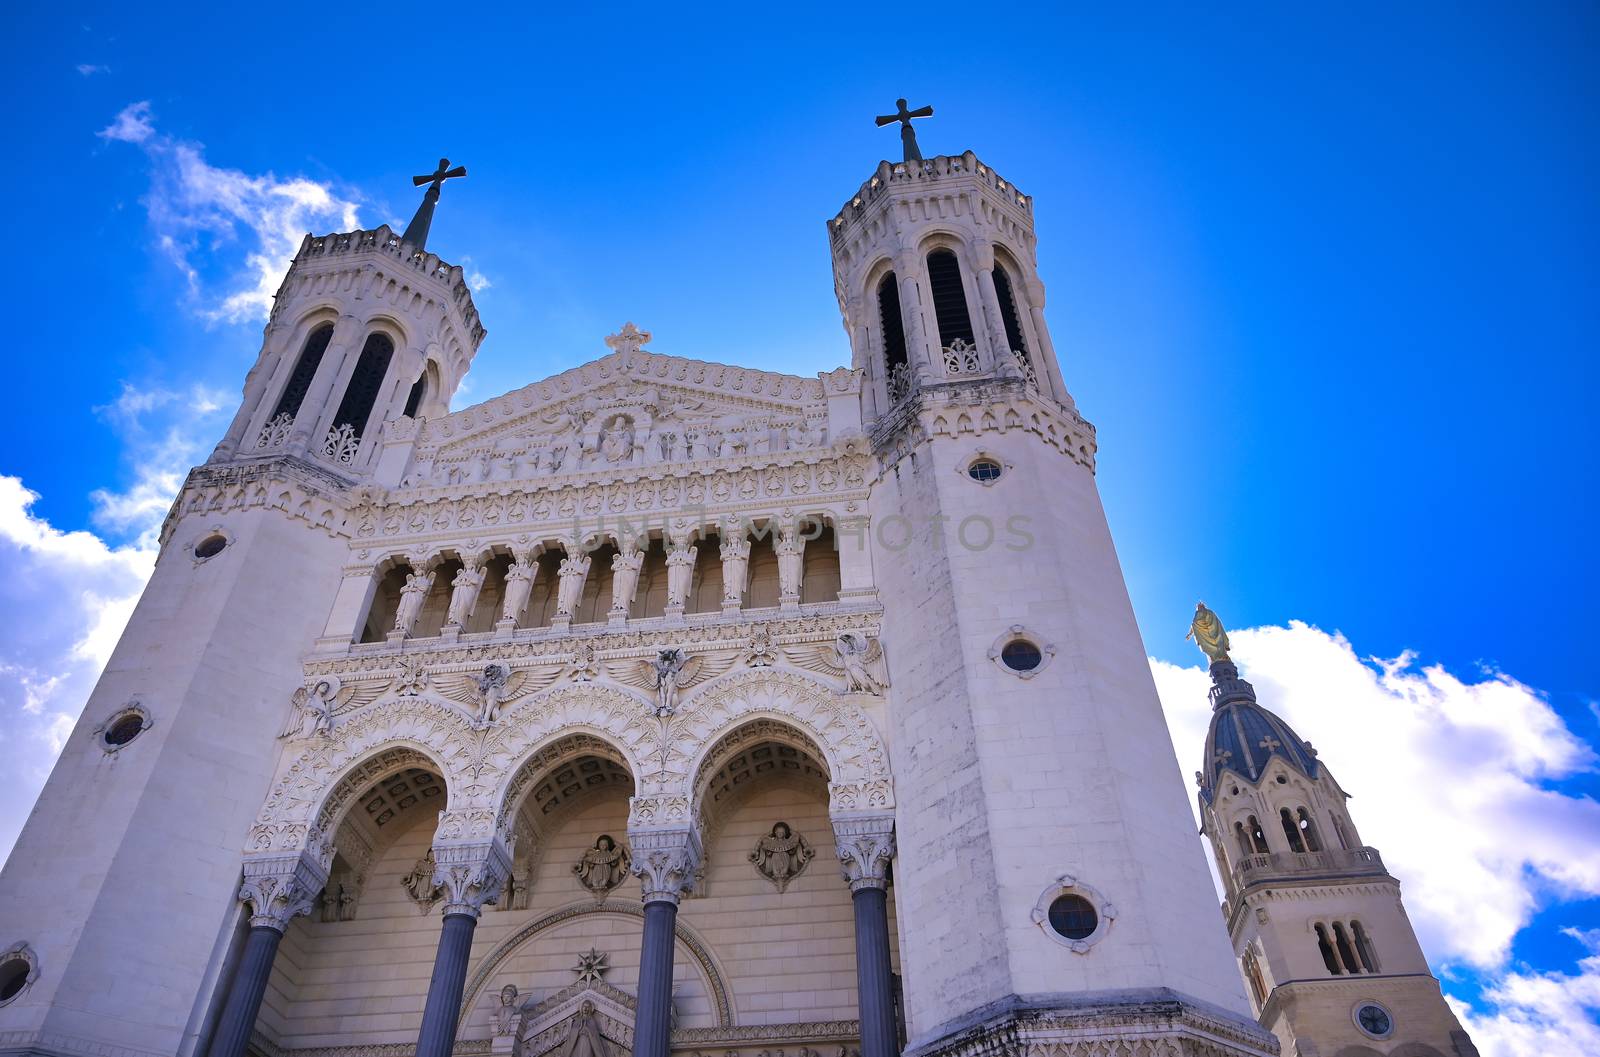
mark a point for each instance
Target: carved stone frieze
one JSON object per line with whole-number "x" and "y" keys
{"x": 971, "y": 409}
{"x": 293, "y": 486}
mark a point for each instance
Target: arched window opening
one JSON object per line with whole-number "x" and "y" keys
{"x": 1308, "y": 830}
{"x": 892, "y": 322}
{"x": 1258, "y": 836}
{"x": 305, "y": 369}
{"x": 949, "y": 299}
{"x": 385, "y": 605}
{"x": 1326, "y": 948}
{"x": 820, "y": 577}
{"x": 1252, "y": 972}
{"x": 1291, "y": 830}
{"x": 1347, "y": 955}
{"x": 1338, "y": 831}
{"x": 1008, "y": 310}
{"x": 763, "y": 590}
{"x": 1243, "y": 837}
{"x": 362, "y": 392}
{"x": 419, "y": 389}
{"x": 1369, "y": 961}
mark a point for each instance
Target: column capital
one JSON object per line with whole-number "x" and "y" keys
{"x": 471, "y": 874}
{"x": 665, "y": 862}
{"x": 276, "y": 888}
{"x": 866, "y": 846}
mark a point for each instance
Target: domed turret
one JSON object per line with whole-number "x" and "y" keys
{"x": 1244, "y": 736}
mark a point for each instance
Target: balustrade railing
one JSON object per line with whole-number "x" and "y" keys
{"x": 275, "y": 433}
{"x": 1253, "y": 869}
{"x": 340, "y": 445}
{"x": 960, "y": 359}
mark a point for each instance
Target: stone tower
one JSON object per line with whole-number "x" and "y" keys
{"x": 125, "y": 879}
{"x": 1031, "y": 757}
{"x": 1324, "y": 945}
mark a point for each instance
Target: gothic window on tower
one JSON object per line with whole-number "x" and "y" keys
{"x": 294, "y": 392}
{"x": 1252, "y": 972}
{"x": 1347, "y": 954}
{"x": 1008, "y": 310}
{"x": 1308, "y": 829}
{"x": 891, "y": 323}
{"x": 1325, "y": 946}
{"x": 1291, "y": 830}
{"x": 950, "y": 310}
{"x": 1258, "y": 836}
{"x": 1369, "y": 961}
{"x": 350, "y": 424}
{"x": 418, "y": 390}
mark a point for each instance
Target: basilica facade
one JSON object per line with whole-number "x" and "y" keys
{"x": 659, "y": 706}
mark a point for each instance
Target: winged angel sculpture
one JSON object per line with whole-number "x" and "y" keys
{"x": 670, "y": 672}
{"x": 314, "y": 706}
{"x": 855, "y": 655}
{"x": 494, "y": 688}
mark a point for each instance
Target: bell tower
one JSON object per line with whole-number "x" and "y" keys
{"x": 1045, "y": 850}
{"x": 1321, "y": 936}
{"x": 123, "y": 889}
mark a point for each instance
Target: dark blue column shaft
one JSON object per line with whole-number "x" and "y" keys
{"x": 652, "y": 1024}
{"x": 244, "y": 995}
{"x": 438, "y": 1035}
{"x": 874, "y": 984}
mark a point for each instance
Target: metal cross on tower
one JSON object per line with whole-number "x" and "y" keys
{"x": 908, "y": 135}
{"x": 417, "y": 230}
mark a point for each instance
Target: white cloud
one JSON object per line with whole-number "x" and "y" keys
{"x": 89, "y": 69}
{"x": 132, "y": 125}
{"x": 69, "y": 595}
{"x": 1536, "y": 1014}
{"x": 1449, "y": 779}
{"x": 252, "y": 224}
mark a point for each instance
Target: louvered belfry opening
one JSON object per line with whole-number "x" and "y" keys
{"x": 949, "y": 299}
{"x": 362, "y": 392}
{"x": 304, "y": 370}
{"x": 893, "y": 324}
{"x": 1008, "y": 309}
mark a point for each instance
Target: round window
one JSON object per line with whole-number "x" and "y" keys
{"x": 13, "y": 977}
{"x": 1374, "y": 1020}
{"x": 1073, "y": 916}
{"x": 1020, "y": 655}
{"x": 211, "y": 546}
{"x": 984, "y": 470}
{"x": 124, "y": 730}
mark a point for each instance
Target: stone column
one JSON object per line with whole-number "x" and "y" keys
{"x": 680, "y": 568}
{"x": 1000, "y": 358}
{"x": 569, "y": 590}
{"x": 791, "y": 548}
{"x": 471, "y": 875}
{"x": 255, "y": 388}
{"x": 665, "y": 862}
{"x": 345, "y": 332}
{"x": 907, "y": 268}
{"x": 735, "y": 563}
{"x": 866, "y": 847}
{"x": 276, "y": 889}
{"x": 519, "y": 587}
{"x": 1048, "y": 368}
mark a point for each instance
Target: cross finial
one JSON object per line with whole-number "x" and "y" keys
{"x": 417, "y": 230}
{"x": 908, "y": 135}
{"x": 629, "y": 339}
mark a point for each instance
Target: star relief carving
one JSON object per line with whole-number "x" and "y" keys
{"x": 591, "y": 967}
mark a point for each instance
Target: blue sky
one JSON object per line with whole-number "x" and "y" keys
{"x": 1324, "y": 280}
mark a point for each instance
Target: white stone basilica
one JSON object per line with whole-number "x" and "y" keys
{"x": 656, "y": 707}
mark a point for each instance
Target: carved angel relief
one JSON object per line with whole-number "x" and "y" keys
{"x": 311, "y": 710}
{"x": 670, "y": 672}
{"x": 782, "y": 855}
{"x": 487, "y": 693}
{"x": 854, "y": 655}
{"x": 603, "y": 867}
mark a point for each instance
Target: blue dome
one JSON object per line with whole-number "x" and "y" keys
{"x": 1244, "y": 737}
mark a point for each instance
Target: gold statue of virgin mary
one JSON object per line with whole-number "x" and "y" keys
{"x": 1208, "y": 633}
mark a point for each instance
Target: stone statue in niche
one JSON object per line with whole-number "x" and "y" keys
{"x": 464, "y": 598}
{"x": 519, "y": 586}
{"x": 781, "y": 855}
{"x": 505, "y": 1014}
{"x": 603, "y": 866}
{"x": 419, "y": 883}
{"x": 412, "y": 595}
{"x": 680, "y": 570}
{"x": 584, "y": 1040}
{"x": 573, "y": 569}
{"x": 616, "y": 442}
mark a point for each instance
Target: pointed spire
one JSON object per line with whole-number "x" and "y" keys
{"x": 417, "y": 231}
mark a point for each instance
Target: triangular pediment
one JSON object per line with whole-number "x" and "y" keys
{"x": 629, "y": 408}
{"x": 594, "y": 1010}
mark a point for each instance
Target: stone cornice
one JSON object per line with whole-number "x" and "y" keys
{"x": 973, "y": 408}
{"x": 315, "y": 494}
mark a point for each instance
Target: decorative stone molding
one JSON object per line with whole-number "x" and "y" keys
{"x": 1067, "y": 884}
{"x": 866, "y": 848}
{"x": 952, "y": 410}
{"x": 471, "y": 874}
{"x": 298, "y": 489}
{"x": 277, "y": 888}
{"x": 1016, "y": 633}
{"x": 665, "y": 861}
